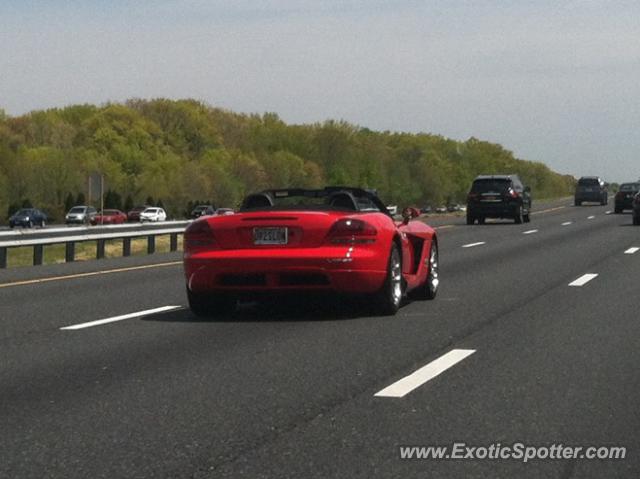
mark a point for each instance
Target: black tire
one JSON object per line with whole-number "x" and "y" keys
{"x": 30, "y": 224}
{"x": 578, "y": 203}
{"x": 526, "y": 218}
{"x": 617, "y": 210}
{"x": 481, "y": 220}
{"x": 470, "y": 219}
{"x": 387, "y": 301}
{"x": 210, "y": 305}
{"x": 518, "y": 217}
{"x": 42, "y": 223}
{"x": 636, "y": 220}
{"x": 429, "y": 289}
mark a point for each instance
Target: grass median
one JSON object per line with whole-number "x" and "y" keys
{"x": 87, "y": 250}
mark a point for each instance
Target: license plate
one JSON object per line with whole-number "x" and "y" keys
{"x": 272, "y": 235}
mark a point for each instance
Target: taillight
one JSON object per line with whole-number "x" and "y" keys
{"x": 472, "y": 196}
{"x": 513, "y": 193}
{"x": 199, "y": 234}
{"x": 352, "y": 231}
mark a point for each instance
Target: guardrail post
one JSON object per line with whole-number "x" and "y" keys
{"x": 173, "y": 246}
{"x": 70, "y": 252}
{"x": 100, "y": 249}
{"x": 3, "y": 258}
{"x": 151, "y": 244}
{"x": 38, "y": 253}
{"x": 126, "y": 246}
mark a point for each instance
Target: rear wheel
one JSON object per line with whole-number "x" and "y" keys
{"x": 470, "y": 219}
{"x": 527, "y": 217}
{"x": 617, "y": 210}
{"x": 518, "y": 216}
{"x": 636, "y": 220}
{"x": 429, "y": 289}
{"x": 578, "y": 203}
{"x": 42, "y": 224}
{"x": 388, "y": 299}
{"x": 210, "y": 305}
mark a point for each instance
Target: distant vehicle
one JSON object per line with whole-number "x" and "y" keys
{"x": 80, "y": 215}
{"x": 153, "y": 214}
{"x": 426, "y": 209}
{"x": 336, "y": 239}
{"x": 636, "y": 209}
{"x": 392, "y": 209}
{"x": 134, "y": 214}
{"x": 28, "y": 218}
{"x": 441, "y": 209}
{"x": 591, "y": 189}
{"x": 224, "y": 211}
{"x": 624, "y": 197}
{"x": 202, "y": 210}
{"x": 498, "y": 196}
{"x": 109, "y": 217}
{"x": 453, "y": 208}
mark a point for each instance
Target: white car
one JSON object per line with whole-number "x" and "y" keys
{"x": 153, "y": 214}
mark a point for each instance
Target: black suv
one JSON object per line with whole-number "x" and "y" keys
{"x": 498, "y": 196}
{"x": 593, "y": 189}
{"x": 624, "y": 197}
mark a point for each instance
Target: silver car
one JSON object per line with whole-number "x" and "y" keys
{"x": 80, "y": 215}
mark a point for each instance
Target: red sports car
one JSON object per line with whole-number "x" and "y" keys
{"x": 334, "y": 239}
{"x": 109, "y": 217}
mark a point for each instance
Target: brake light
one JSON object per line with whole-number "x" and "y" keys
{"x": 199, "y": 234}
{"x": 472, "y": 196}
{"x": 351, "y": 231}
{"x": 513, "y": 193}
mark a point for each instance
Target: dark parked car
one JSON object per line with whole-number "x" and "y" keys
{"x": 202, "y": 210}
{"x": 624, "y": 196}
{"x": 28, "y": 217}
{"x": 636, "y": 209}
{"x": 498, "y": 196}
{"x": 591, "y": 189}
{"x": 134, "y": 214}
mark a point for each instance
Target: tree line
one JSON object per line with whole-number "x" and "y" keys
{"x": 177, "y": 151}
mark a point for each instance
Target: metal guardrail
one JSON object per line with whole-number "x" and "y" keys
{"x": 38, "y": 244}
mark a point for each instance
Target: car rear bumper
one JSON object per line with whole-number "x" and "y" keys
{"x": 624, "y": 204}
{"x": 493, "y": 210}
{"x": 339, "y": 269}
{"x": 596, "y": 197}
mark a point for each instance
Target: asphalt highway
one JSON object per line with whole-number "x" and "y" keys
{"x": 534, "y": 334}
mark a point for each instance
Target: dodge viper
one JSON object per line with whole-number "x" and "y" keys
{"x": 335, "y": 239}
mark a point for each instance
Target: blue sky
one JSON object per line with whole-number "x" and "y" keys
{"x": 553, "y": 81}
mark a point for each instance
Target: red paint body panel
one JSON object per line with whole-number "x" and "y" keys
{"x": 116, "y": 218}
{"x": 229, "y": 261}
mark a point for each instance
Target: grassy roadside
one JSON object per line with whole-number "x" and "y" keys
{"x": 86, "y": 250}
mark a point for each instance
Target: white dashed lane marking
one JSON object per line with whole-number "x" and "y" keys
{"x": 416, "y": 379}
{"x": 631, "y": 250}
{"x": 139, "y": 314}
{"x": 584, "y": 279}
{"x": 471, "y": 245}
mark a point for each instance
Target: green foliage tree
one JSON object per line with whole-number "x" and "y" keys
{"x": 181, "y": 150}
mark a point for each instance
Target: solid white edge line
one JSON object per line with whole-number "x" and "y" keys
{"x": 121, "y": 318}
{"x": 567, "y": 223}
{"x": 584, "y": 279}
{"x": 416, "y": 379}
{"x": 471, "y": 245}
{"x": 529, "y": 232}
{"x": 631, "y": 250}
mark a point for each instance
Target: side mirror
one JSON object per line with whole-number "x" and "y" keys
{"x": 409, "y": 213}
